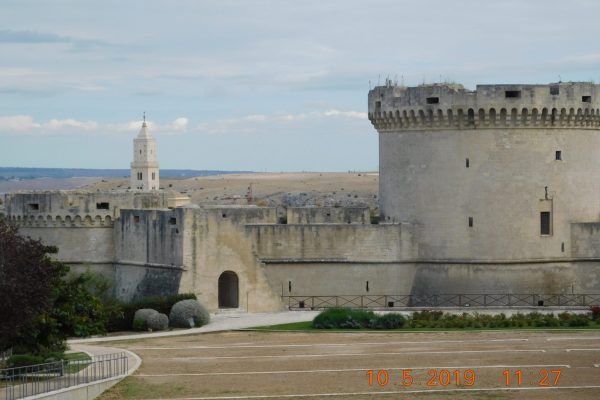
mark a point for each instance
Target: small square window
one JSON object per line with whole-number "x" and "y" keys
{"x": 554, "y": 90}
{"x": 433, "y": 100}
{"x": 512, "y": 94}
{"x": 586, "y": 99}
{"x": 136, "y": 219}
{"x": 172, "y": 221}
{"x": 33, "y": 206}
{"x": 102, "y": 206}
{"x": 558, "y": 155}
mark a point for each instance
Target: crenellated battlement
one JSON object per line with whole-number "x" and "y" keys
{"x": 434, "y": 107}
{"x": 62, "y": 221}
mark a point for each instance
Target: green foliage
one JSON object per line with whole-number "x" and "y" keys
{"x": 595, "y": 313}
{"x": 27, "y": 278}
{"x": 23, "y": 360}
{"x": 353, "y": 319}
{"x": 139, "y": 324}
{"x": 78, "y": 309}
{"x": 344, "y": 318}
{"x": 158, "y": 322}
{"x": 140, "y": 318}
{"x": 388, "y": 321}
{"x": 123, "y": 320}
{"x": 188, "y": 314}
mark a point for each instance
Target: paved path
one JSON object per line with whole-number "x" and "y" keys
{"x": 219, "y": 322}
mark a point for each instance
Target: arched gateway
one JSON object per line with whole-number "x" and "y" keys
{"x": 229, "y": 290}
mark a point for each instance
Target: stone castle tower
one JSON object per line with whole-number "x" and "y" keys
{"x": 144, "y": 168}
{"x": 495, "y": 175}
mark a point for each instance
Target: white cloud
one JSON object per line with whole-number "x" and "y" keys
{"x": 259, "y": 122}
{"x": 25, "y": 124}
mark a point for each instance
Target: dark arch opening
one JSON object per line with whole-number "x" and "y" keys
{"x": 228, "y": 290}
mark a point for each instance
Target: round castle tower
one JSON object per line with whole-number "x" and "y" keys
{"x": 498, "y": 174}
{"x": 144, "y": 168}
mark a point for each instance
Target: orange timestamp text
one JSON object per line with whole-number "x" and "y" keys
{"x": 434, "y": 377}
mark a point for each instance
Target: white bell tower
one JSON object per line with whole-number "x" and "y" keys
{"x": 144, "y": 168}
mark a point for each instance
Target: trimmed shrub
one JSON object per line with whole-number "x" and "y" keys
{"x": 158, "y": 322}
{"x": 388, "y": 321}
{"x": 140, "y": 318}
{"x": 123, "y": 321}
{"x": 188, "y": 314}
{"x": 343, "y": 318}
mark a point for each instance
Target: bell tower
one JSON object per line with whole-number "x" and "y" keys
{"x": 144, "y": 168}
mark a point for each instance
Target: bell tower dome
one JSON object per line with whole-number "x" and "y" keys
{"x": 144, "y": 168}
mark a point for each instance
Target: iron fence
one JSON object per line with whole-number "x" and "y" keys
{"x": 441, "y": 300}
{"x": 36, "y": 379}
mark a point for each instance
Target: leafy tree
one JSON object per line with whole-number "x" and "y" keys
{"x": 27, "y": 277}
{"x": 41, "y": 303}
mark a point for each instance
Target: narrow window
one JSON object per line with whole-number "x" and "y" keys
{"x": 140, "y": 151}
{"x": 470, "y": 222}
{"x": 512, "y": 94}
{"x": 172, "y": 221}
{"x": 545, "y": 223}
{"x": 153, "y": 176}
{"x": 554, "y": 90}
{"x": 289, "y": 286}
{"x": 562, "y": 247}
{"x": 433, "y": 100}
{"x": 558, "y": 155}
{"x": 136, "y": 219}
{"x": 467, "y": 163}
{"x": 377, "y": 106}
{"x": 367, "y": 286}
{"x": 586, "y": 99}
{"x": 141, "y": 176}
{"x": 34, "y": 206}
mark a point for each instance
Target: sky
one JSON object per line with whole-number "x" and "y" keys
{"x": 263, "y": 85}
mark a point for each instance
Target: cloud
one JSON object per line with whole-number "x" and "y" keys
{"x": 259, "y": 122}
{"x": 8, "y": 36}
{"x": 26, "y": 125}
{"x": 253, "y": 123}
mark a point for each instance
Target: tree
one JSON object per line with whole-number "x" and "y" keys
{"x": 27, "y": 279}
{"x": 41, "y": 303}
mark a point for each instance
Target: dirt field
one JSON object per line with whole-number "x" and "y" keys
{"x": 262, "y": 365}
{"x": 296, "y": 189}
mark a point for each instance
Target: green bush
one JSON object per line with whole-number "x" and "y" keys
{"x": 23, "y": 360}
{"x": 388, "y": 321}
{"x": 139, "y": 324}
{"x": 123, "y": 320}
{"x": 188, "y": 314}
{"x": 353, "y": 319}
{"x": 158, "y": 322}
{"x": 343, "y": 318}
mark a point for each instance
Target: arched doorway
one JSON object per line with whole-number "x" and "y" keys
{"x": 228, "y": 290}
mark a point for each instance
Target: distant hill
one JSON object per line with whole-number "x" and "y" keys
{"x": 11, "y": 173}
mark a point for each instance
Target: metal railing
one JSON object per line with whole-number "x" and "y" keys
{"x": 441, "y": 300}
{"x": 36, "y": 379}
